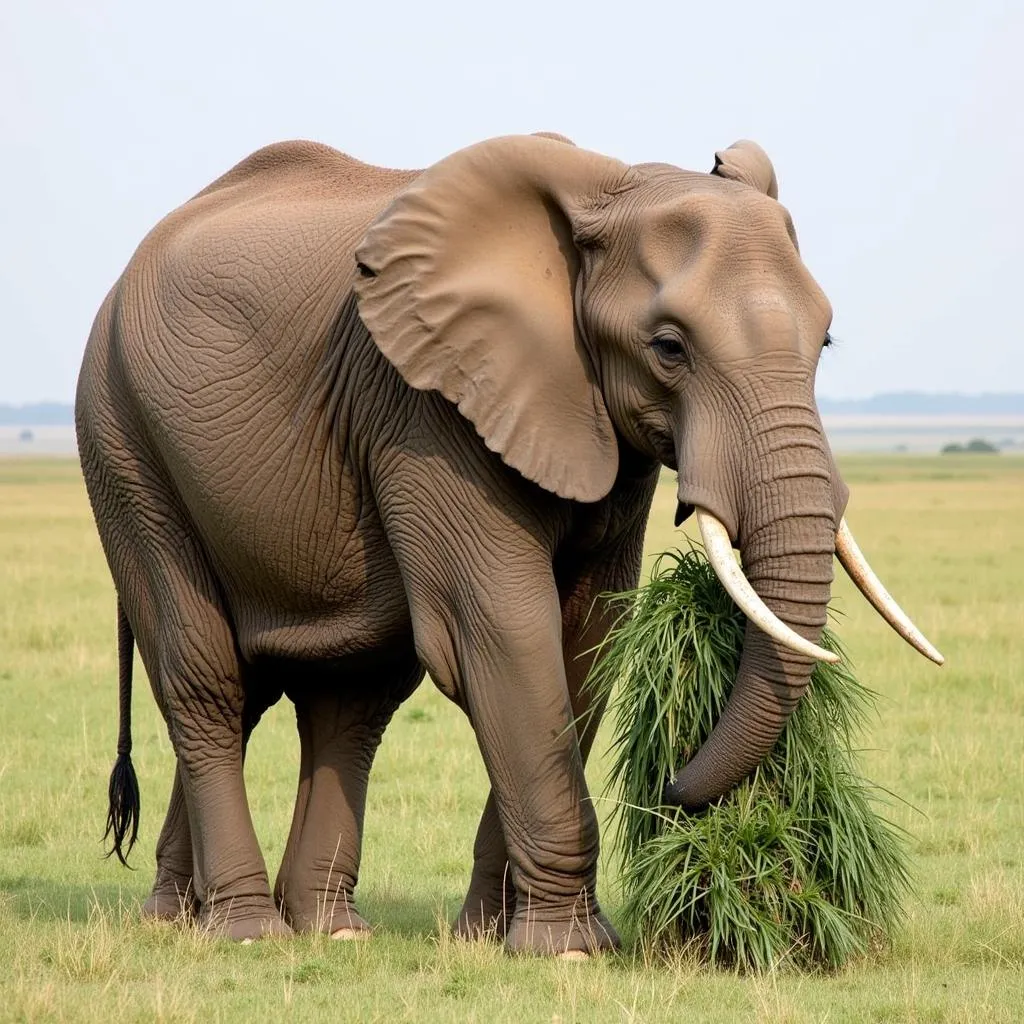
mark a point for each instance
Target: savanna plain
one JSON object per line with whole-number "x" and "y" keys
{"x": 945, "y": 534}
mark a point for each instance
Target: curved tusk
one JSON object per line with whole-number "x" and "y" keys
{"x": 857, "y": 568}
{"x": 719, "y": 549}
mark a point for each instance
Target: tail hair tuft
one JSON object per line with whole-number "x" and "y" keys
{"x": 123, "y": 808}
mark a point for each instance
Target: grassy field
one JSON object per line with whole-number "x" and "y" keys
{"x": 945, "y": 534}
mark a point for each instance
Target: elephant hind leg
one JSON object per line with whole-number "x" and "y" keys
{"x": 201, "y": 679}
{"x": 341, "y": 721}
{"x": 192, "y": 659}
{"x": 173, "y": 896}
{"x": 174, "y": 603}
{"x": 303, "y": 714}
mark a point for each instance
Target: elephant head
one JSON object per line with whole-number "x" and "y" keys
{"x": 569, "y": 303}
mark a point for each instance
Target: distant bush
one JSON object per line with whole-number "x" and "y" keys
{"x": 977, "y": 446}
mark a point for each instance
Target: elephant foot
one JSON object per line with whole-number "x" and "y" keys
{"x": 484, "y": 917}
{"x": 574, "y": 938}
{"x": 334, "y": 915}
{"x": 242, "y": 919}
{"x": 171, "y": 899}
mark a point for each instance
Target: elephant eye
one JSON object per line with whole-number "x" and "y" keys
{"x": 829, "y": 340}
{"x": 669, "y": 349}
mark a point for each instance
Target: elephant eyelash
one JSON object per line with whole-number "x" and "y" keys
{"x": 668, "y": 345}
{"x": 671, "y": 350}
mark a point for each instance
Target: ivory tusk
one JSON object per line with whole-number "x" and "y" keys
{"x": 857, "y": 568}
{"x": 719, "y": 549}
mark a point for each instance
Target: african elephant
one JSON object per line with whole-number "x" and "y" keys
{"x": 340, "y": 425}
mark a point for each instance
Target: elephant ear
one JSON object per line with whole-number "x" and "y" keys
{"x": 747, "y": 162}
{"x": 466, "y": 283}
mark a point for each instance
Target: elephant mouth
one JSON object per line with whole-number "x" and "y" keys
{"x": 683, "y": 512}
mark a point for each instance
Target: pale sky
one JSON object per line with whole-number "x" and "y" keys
{"x": 896, "y": 130}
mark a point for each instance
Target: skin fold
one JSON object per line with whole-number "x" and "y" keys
{"x": 342, "y": 425}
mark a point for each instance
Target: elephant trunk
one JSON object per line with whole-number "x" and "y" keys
{"x": 787, "y": 555}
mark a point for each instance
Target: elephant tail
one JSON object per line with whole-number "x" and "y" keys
{"x": 123, "y": 791}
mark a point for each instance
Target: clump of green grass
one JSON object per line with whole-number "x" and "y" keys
{"x": 796, "y": 864}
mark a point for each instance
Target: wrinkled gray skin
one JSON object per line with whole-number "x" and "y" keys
{"x": 340, "y": 424}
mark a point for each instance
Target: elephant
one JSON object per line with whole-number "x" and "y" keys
{"x": 342, "y": 426}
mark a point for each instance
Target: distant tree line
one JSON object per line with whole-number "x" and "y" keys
{"x": 977, "y": 445}
{"x": 913, "y": 403}
{"x": 38, "y": 414}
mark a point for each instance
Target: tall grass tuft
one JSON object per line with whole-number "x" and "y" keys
{"x": 795, "y": 865}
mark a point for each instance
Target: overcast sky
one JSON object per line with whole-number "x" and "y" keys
{"x": 896, "y": 130}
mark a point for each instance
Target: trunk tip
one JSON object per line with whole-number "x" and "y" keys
{"x": 679, "y": 792}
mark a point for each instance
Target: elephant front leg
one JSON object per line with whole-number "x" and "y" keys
{"x": 490, "y": 902}
{"x": 514, "y": 686}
